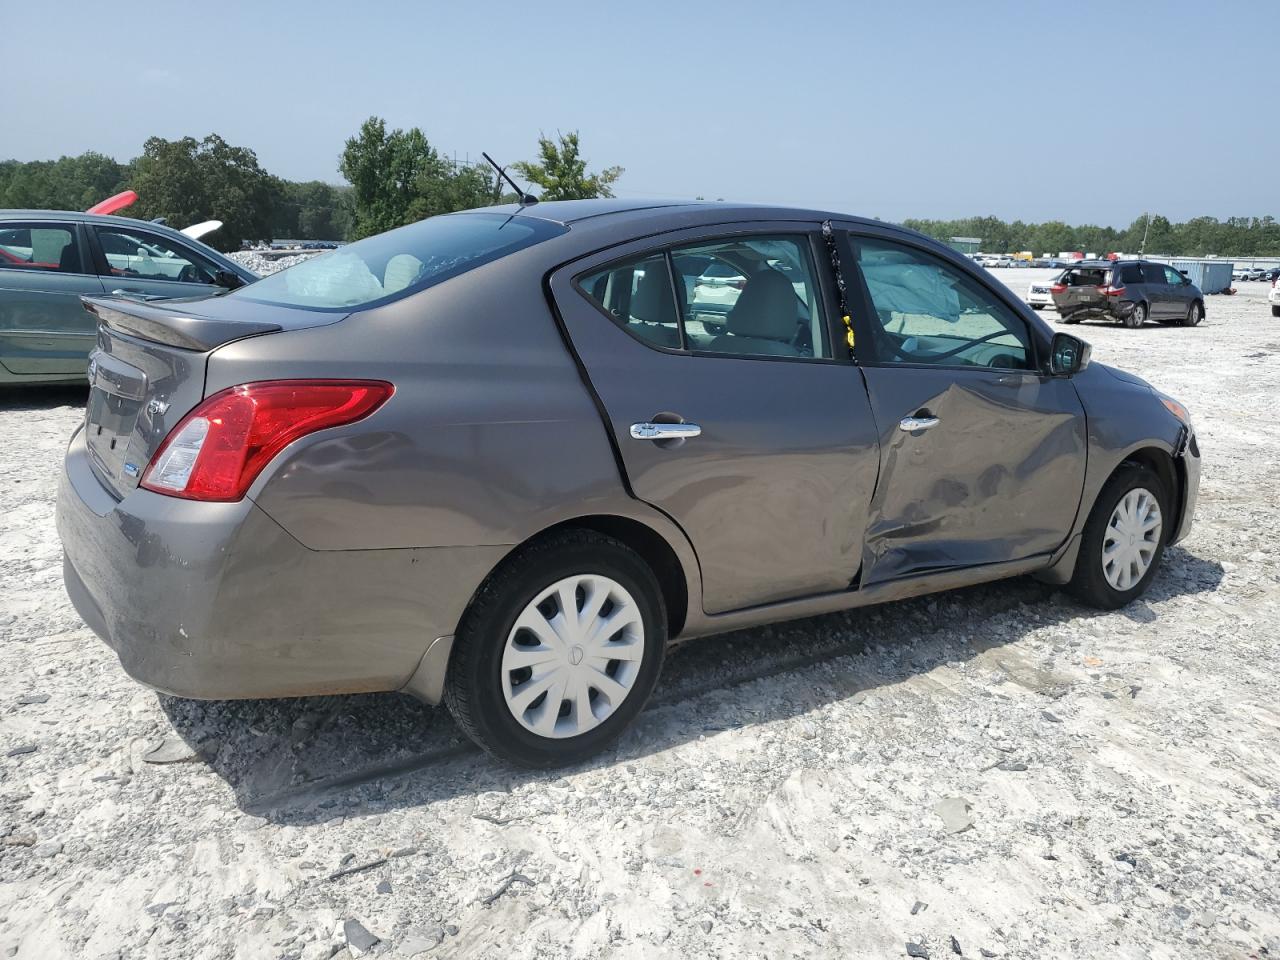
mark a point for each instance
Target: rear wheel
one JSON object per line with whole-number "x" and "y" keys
{"x": 1275, "y": 311}
{"x": 1136, "y": 317}
{"x": 559, "y": 651}
{"x": 1194, "y": 315}
{"x": 1123, "y": 540}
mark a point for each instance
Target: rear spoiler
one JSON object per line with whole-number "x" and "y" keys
{"x": 162, "y": 324}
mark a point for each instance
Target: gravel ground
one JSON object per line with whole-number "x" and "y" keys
{"x": 990, "y": 772}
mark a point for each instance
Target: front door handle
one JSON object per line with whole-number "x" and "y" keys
{"x": 912, "y": 424}
{"x": 665, "y": 431}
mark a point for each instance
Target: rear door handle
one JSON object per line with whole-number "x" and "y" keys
{"x": 912, "y": 424}
{"x": 665, "y": 431}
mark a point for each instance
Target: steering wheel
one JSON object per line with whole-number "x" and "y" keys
{"x": 947, "y": 354}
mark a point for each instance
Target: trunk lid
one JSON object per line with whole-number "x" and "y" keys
{"x": 148, "y": 371}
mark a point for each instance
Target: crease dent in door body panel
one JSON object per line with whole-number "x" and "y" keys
{"x": 972, "y": 490}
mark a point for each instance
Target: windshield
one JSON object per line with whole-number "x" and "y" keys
{"x": 395, "y": 264}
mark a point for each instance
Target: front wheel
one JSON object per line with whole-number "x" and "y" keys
{"x": 559, "y": 651}
{"x": 1123, "y": 540}
{"x": 1194, "y": 315}
{"x": 1136, "y": 317}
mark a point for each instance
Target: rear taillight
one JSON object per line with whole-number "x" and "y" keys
{"x": 739, "y": 284}
{"x": 1058, "y": 288}
{"x": 219, "y": 448}
{"x": 1109, "y": 291}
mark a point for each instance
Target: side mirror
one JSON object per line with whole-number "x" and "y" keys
{"x": 1068, "y": 355}
{"x": 225, "y": 278}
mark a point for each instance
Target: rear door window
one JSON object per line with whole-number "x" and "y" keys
{"x": 754, "y": 296}
{"x": 46, "y": 247}
{"x": 1153, "y": 273}
{"x": 1130, "y": 273}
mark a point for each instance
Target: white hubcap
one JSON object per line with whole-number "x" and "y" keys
{"x": 1133, "y": 534}
{"x": 572, "y": 656}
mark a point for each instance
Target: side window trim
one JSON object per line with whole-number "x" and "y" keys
{"x": 863, "y": 304}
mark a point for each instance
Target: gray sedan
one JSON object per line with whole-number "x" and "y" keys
{"x": 498, "y": 459}
{"x": 50, "y": 258}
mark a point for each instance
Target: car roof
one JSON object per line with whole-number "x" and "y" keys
{"x": 81, "y": 217}
{"x": 618, "y": 211}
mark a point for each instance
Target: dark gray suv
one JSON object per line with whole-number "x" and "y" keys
{"x": 1129, "y": 291}
{"x": 502, "y": 457}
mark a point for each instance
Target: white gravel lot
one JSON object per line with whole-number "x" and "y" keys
{"x": 991, "y": 772}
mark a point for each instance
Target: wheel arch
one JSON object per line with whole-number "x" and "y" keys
{"x": 653, "y": 549}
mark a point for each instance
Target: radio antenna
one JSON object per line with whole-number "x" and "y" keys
{"x": 525, "y": 198}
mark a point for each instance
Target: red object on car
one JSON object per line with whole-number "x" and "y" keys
{"x": 112, "y": 204}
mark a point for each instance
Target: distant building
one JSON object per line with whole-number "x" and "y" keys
{"x": 965, "y": 244}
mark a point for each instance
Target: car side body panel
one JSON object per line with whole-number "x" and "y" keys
{"x": 356, "y": 552}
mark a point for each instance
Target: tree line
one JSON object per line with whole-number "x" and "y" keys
{"x": 1234, "y": 237}
{"x": 395, "y": 176}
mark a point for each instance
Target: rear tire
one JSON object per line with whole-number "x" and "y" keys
{"x": 1194, "y": 315}
{"x": 1275, "y": 311}
{"x": 1136, "y": 317}
{"x": 594, "y": 693}
{"x": 1109, "y": 533}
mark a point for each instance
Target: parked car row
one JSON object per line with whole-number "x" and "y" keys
{"x": 49, "y": 259}
{"x": 1255, "y": 273}
{"x": 330, "y": 480}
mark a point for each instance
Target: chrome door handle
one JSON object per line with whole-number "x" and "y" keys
{"x": 665, "y": 431}
{"x": 912, "y": 424}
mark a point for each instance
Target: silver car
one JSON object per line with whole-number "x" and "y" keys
{"x": 491, "y": 459}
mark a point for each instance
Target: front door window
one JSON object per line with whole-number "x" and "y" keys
{"x": 928, "y": 312}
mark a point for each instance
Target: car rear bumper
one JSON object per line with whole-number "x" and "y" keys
{"x": 217, "y": 601}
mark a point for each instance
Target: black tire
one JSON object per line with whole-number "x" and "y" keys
{"x": 473, "y": 687}
{"x": 1275, "y": 311}
{"x": 1037, "y": 306}
{"x": 1136, "y": 317}
{"x": 1195, "y": 313}
{"x": 1089, "y": 583}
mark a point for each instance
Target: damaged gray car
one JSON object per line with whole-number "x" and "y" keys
{"x": 502, "y": 458}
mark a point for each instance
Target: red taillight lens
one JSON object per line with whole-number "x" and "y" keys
{"x": 1058, "y": 288}
{"x": 740, "y": 284}
{"x": 219, "y": 448}
{"x": 1110, "y": 291}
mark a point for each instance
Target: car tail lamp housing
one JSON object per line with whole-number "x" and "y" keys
{"x": 1110, "y": 291}
{"x": 1058, "y": 288}
{"x": 218, "y": 449}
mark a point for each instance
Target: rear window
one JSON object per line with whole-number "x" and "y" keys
{"x": 395, "y": 264}
{"x": 1086, "y": 277}
{"x": 1131, "y": 273}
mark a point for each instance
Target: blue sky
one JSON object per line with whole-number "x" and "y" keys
{"x": 1082, "y": 111}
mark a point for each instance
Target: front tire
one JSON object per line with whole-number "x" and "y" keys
{"x": 1275, "y": 311}
{"x": 1136, "y": 317}
{"x": 1194, "y": 315}
{"x": 1123, "y": 540}
{"x": 559, "y": 651}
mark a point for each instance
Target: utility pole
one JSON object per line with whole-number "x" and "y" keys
{"x": 1145, "y": 230}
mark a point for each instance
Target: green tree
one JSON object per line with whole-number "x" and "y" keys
{"x": 188, "y": 180}
{"x": 561, "y": 172}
